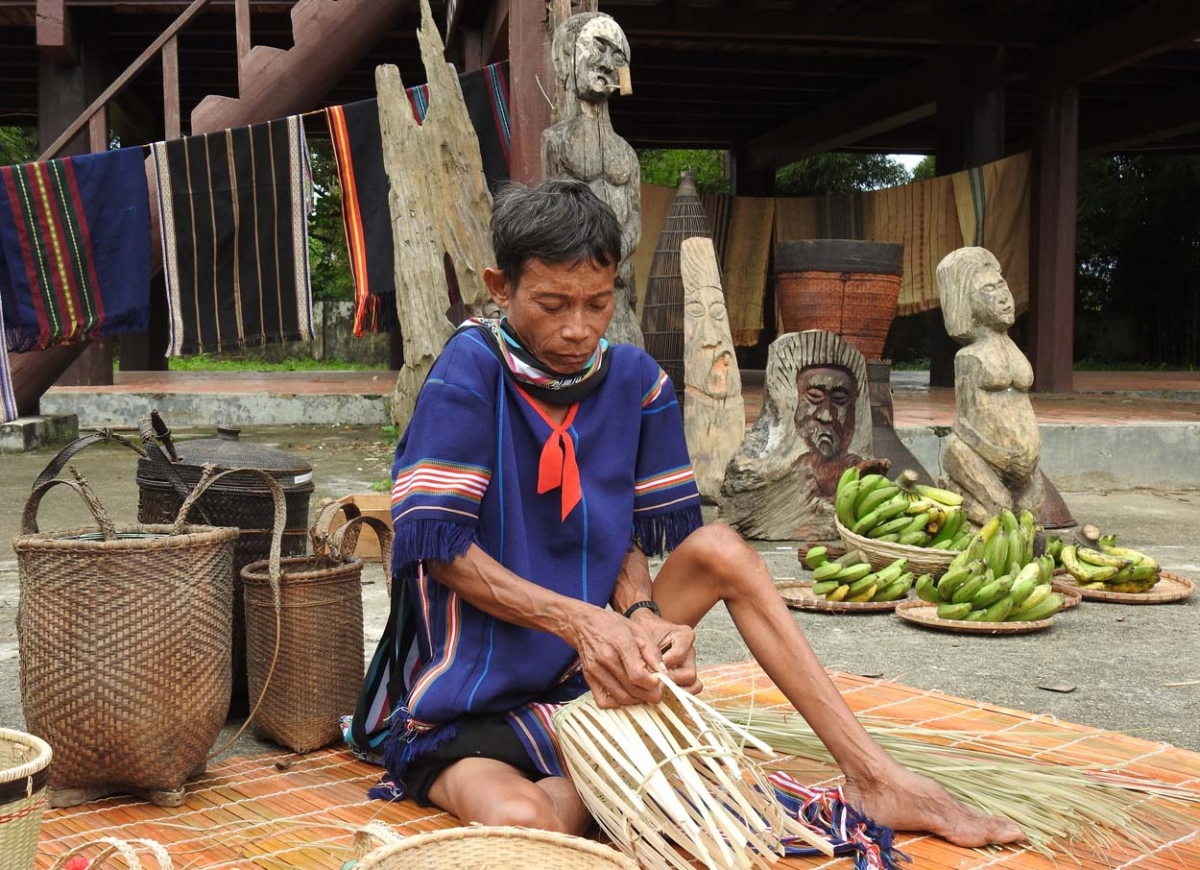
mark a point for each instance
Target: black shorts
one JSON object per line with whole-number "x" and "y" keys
{"x": 487, "y": 736}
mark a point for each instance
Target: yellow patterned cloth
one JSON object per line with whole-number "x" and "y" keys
{"x": 993, "y": 213}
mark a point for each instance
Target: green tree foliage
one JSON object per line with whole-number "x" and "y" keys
{"x": 827, "y": 174}
{"x": 663, "y": 166}
{"x": 1138, "y": 258}
{"x": 17, "y": 145}
{"x": 925, "y": 170}
{"x": 329, "y": 262}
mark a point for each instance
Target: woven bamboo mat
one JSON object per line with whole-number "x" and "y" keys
{"x": 282, "y": 811}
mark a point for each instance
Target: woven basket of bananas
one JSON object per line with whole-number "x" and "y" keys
{"x": 886, "y": 520}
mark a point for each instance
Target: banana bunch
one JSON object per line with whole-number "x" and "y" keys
{"x": 901, "y": 511}
{"x": 996, "y": 577}
{"x": 850, "y": 577}
{"x": 1110, "y": 568}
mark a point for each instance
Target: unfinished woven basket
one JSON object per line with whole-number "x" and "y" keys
{"x": 921, "y": 560}
{"x": 484, "y": 848}
{"x": 125, "y": 640}
{"x": 319, "y": 665}
{"x": 24, "y": 770}
{"x": 132, "y": 852}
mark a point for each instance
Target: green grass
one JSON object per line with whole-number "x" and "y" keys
{"x": 208, "y": 363}
{"x": 1092, "y": 365}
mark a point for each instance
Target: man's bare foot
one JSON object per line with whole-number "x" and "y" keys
{"x": 905, "y": 801}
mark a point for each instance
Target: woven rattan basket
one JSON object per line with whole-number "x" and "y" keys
{"x": 319, "y": 666}
{"x": 921, "y": 560}
{"x": 484, "y": 848}
{"x": 124, "y": 640}
{"x": 132, "y": 853}
{"x": 24, "y": 770}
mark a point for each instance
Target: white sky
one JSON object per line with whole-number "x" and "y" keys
{"x": 909, "y": 160}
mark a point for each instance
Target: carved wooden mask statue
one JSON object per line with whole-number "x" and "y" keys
{"x": 710, "y": 366}
{"x": 974, "y": 295}
{"x": 588, "y": 52}
{"x": 826, "y": 401}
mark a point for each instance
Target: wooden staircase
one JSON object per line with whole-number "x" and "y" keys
{"x": 329, "y": 38}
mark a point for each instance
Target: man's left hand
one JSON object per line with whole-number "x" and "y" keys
{"x": 676, "y": 643}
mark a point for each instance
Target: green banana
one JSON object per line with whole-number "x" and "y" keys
{"x": 1144, "y": 570}
{"x": 999, "y": 610}
{"x": 992, "y": 592}
{"x": 979, "y": 541}
{"x": 896, "y": 590}
{"x": 815, "y": 557}
{"x": 955, "y": 577}
{"x": 967, "y": 591}
{"x": 953, "y": 611}
{"x": 850, "y": 557}
{"x": 927, "y": 589}
{"x": 874, "y": 499}
{"x": 976, "y": 615}
{"x": 942, "y": 496}
{"x": 1046, "y": 608}
{"x": 1132, "y": 555}
{"x": 996, "y": 552}
{"x": 942, "y": 545}
{"x": 896, "y": 525}
{"x": 871, "y": 581}
{"x": 1016, "y": 552}
{"x": 1077, "y": 569}
{"x": 848, "y": 476}
{"x": 827, "y": 571}
{"x": 963, "y": 540}
{"x": 950, "y": 526}
{"x": 1036, "y": 597}
{"x": 843, "y": 502}
{"x": 889, "y": 574}
{"x": 1008, "y": 520}
{"x": 918, "y": 522}
{"x": 851, "y": 573}
{"x": 919, "y": 538}
{"x": 866, "y": 485}
{"x": 1045, "y": 563}
{"x": 826, "y": 586}
{"x": 1022, "y": 587}
{"x": 1101, "y": 560}
{"x": 1028, "y": 533}
{"x": 893, "y": 538}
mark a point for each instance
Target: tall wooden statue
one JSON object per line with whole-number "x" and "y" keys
{"x": 992, "y": 454}
{"x": 591, "y": 61}
{"x": 714, "y": 414}
{"x": 815, "y": 423}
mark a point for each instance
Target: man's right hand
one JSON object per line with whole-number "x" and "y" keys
{"x": 618, "y": 660}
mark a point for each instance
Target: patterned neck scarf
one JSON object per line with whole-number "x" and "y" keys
{"x": 534, "y": 376}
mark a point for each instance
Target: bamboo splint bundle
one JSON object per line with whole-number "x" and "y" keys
{"x": 111, "y": 847}
{"x": 674, "y": 773}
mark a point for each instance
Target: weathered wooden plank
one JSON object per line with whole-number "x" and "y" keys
{"x": 241, "y": 16}
{"x": 171, "y": 110}
{"x": 55, "y": 31}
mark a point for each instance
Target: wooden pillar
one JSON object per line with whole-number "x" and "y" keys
{"x": 64, "y": 91}
{"x": 745, "y": 181}
{"x": 531, "y": 79}
{"x": 970, "y": 117}
{"x": 471, "y": 43}
{"x": 1055, "y": 170}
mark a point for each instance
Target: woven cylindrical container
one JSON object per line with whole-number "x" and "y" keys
{"x": 125, "y": 639}
{"x": 478, "y": 846}
{"x": 843, "y": 286}
{"x": 304, "y": 634}
{"x": 24, "y": 771}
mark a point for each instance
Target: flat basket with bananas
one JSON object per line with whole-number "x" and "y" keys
{"x": 885, "y": 520}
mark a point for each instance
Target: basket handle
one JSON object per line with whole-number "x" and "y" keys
{"x": 152, "y": 427}
{"x": 322, "y": 527}
{"x": 344, "y": 541}
{"x": 29, "y": 524}
{"x": 371, "y": 836}
{"x": 56, "y": 465}
{"x": 125, "y": 848}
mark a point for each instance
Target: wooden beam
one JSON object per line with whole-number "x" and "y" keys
{"x": 1055, "y": 172}
{"x": 531, "y": 79}
{"x": 171, "y": 110}
{"x": 98, "y": 131}
{"x": 495, "y": 32}
{"x": 885, "y": 105}
{"x": 1139, "y": 124}
{"x": 715, "y": 24}
{"x": 55, "y": 32}
{"x": 241, "y": 23}
{"x": 1125, "y": 39}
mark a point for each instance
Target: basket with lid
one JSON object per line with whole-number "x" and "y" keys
{"x": 240, "y": 500}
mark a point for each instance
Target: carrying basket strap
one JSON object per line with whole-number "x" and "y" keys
{"x": 164, "y": 458}
{"x": 336, "y": 545}
{"x": 29, "y": 524}
{"x": 100, "y": 436}
{"x": 127, "y": 849}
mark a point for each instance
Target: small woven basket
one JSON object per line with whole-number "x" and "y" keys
{"x": 318, "y": 668}
{"x": 921, "y": 560}
{"x": 24, "y": 771}
{"x": 125, "y": 638}
{"x": 483, "y": 848}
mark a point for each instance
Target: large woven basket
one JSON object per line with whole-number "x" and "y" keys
{"x": 484, "y": 848}
{"x": 318, "y": 666}
{"x": 24, "y": 770}
{"x": 124, "y": 638}
{"x": 921, "y": 560}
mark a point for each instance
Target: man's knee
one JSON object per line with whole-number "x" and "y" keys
{"x": 722, "y": 550}
{"x": 524, "y": 808}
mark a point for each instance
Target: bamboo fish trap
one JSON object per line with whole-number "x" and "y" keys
{"x": 673, "y": 774}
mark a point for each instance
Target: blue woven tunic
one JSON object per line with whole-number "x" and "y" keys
{"x": 466, "y": 471}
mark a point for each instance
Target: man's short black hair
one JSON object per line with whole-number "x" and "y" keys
{"x": 555, "y": 222}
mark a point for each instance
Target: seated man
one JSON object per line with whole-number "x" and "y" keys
{"x": 540, "y": 468}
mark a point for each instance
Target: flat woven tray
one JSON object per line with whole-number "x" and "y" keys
{"x": 1170, "y": 587}
{"x": 922, "y": 613}
{"x": 799, "y": 594}
{"x": 921, "y": 560}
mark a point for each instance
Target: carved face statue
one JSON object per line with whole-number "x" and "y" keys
{"x": 710, "y": 365}
{"x": 825, "y": 409}
{"x": 600, "y": 51}
{"x": 991, "y": 300}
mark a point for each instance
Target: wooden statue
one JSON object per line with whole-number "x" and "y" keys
{"x": 591, "y": 61}
{"x": 440, "y": 208}
{"x": 714, "y": 414}
{"x": 815, "y": 422}
{"x": 991, "y": 456}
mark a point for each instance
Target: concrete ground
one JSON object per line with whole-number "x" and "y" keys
{"x": 1119, "y": 660}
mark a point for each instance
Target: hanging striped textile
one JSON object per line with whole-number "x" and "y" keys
{"x": 8, "y": 396}
{"x": 74, "y": 249}
{"x": 358, "y": 149}
{"x": 233, "y": 206}
{"x": 993, "y": 213}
